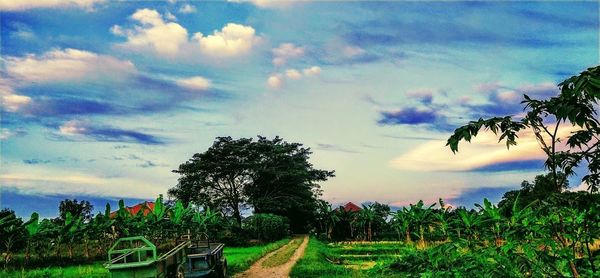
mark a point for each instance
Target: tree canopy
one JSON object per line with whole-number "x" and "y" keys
{"x": 271, "y": 175}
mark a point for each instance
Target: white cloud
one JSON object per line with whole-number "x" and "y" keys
{"x": 581, "y": 187}
{"x": 293, "y": 74}
{"x": 165, "y": 38}
{"x": 10, "y": 101}
{"x": 156, "y": 33}
{"x": 42, "y": 180}
{"x": 233, "y": 40}
{"x": 68, "y": 64}
{"x": 353, "y": 51}
{"x": 266, "y": 3}
{"x": 187, "y": 9}
{"x": 170, "y": 16}
{"x": 484, "y": 150}
{"x": 278, "y": 80}
{"x": 6, "y": 133}
{"x": 275, "y": 81}
{"x": 312, "y": 71}
{"x": 194, "y": 83}
{"x": 21, "y": 5}
{"x": 285, "y": 52}
{"x": 73, "y": 127}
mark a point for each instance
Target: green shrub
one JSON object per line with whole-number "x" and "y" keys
{"x": 266, "y": 227}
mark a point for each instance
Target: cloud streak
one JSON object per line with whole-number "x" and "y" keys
{"x": 76, "y": 130}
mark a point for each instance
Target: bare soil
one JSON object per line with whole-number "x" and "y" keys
{"x": 280, "y": 271}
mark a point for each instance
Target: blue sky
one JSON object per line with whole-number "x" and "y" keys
{"x": 101, "y": 100}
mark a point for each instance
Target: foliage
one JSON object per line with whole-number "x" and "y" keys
{"x": 75, "y": 208}
{"x": 560, "y": 232}
{"x": 273, "y": 176}
{"x": 540, "y": 189}
{"x": 575, "y": 106}
{"x": 12, "y": 233}
{"x": 266, "y": 226}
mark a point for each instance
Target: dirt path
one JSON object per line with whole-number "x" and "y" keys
{"x": 280, "y": 271}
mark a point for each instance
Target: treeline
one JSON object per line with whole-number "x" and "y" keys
{"x": 533, "y": 232}
{"x": 77, "y": 236}
{"x": 271, "y": 178}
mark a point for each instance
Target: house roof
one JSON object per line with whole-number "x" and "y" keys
{"x": 146, "y": 206}
{"x": 352, "y": 207}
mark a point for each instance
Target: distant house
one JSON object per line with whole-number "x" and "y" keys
{"x": 146, "y": 207}
{"x": 351, "y": 207}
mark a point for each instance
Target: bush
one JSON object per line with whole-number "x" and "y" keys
{"x": 266, "y": 226}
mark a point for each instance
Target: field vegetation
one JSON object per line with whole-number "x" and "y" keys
{"x": 539, "y": 230}
{"x": 283, "y": 255}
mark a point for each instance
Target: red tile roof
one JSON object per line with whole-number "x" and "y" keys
{"x": 352, "y": 207}
{"x": 147, "y": 206}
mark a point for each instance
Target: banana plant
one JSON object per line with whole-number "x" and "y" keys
{"x": 71, "y": 231}
{"x": 203, "y": 219}
{"x": 468, "y": 222}
{"x": 11, "y": 232}
{"x": 420, "y": 216}
{"x": 368, "y": 215}
{"x": 491, "y": 217}
{"x": 33, "y": 228}
{"x": 401, "y": 223}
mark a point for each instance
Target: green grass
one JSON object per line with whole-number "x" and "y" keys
{"x": 283, "y": 255}
{"x": 365, "y": 259}
{"x": 93, "y": 270}
{"x": 241, "y": 258}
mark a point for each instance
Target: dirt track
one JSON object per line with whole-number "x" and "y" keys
{"x": 280, "y": 271}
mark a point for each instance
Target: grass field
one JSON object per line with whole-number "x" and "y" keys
{"x": 358, "y": 259}
{"x": 241, "y": 258}
{"x": 94, "y": 270}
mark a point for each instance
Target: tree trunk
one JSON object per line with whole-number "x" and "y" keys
{"x": 407, "y": 234}
{"x": 329, "y": 231}
{"x": 27, "y": 252}
{"x": 370, "y": 231}
{"x": 237, "y": 215}
{"x": 70, "y": 249}
{"x": 86, "y": 249}
{"x": 421, "y": 237}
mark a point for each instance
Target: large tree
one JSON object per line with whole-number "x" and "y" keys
{"x": 76, "y": 208}
{"x": 574, "y": 108}
{"x": 284, "y": 181}
{"x": 273, "y": 176}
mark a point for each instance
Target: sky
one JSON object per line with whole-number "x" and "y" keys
{"x": 101, "y": 100}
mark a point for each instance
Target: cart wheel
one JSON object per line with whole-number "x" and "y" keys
{"x": 180, "y": 272}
